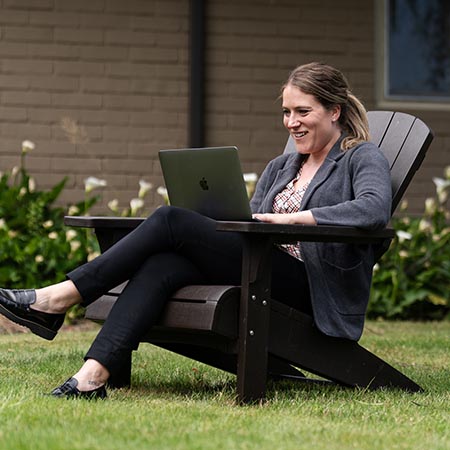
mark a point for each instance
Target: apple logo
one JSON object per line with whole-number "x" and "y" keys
{"x": 204, "y": 184}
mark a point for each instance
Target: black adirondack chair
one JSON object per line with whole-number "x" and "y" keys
{"x": 239, "y": 328}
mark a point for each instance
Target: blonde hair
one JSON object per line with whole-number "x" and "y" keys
{"x": 330, "y": 87}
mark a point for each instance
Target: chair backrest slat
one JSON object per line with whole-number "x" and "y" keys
{"x": 403, "y": 138}
{"x": 379, "y": 122}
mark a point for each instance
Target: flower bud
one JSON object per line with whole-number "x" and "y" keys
{"x": 92, "y": 183}
{"x": 144, "y": 187}
{"x": 403, "y": 235}
{"x": 27, "y": 146}
{"x": 113, "y": 205}
{"x": 136, "y": 204}
{"x": 430, "y": 206}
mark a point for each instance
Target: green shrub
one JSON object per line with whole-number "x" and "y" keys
{"x": 36, "y": 248}
{"x": 412, "y": 280}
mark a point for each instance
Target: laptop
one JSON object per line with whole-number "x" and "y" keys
{"x": 206, "y": 180}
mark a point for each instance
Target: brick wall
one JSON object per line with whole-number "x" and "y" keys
{"x": 99, "y": 86}
{"x": 253, "y": 45}
{"x": 102, "y": 85}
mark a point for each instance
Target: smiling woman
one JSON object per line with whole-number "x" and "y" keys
{"x": 335, "y": 177}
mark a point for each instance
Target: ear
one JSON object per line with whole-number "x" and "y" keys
{"x": 335, "y": 113}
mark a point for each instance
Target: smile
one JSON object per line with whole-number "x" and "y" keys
{"x": 299, "y": 134}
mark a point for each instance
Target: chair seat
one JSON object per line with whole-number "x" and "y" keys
{"x": 205, "y": 308}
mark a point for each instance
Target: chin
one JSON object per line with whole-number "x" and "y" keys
{"x": 302, "y": 149}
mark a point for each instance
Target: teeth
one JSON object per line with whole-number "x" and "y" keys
{"x": 299, "y": 135}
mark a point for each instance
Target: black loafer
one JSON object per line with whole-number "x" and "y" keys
{"x": 15, "y": 305}
{"x": 69, "y": 390}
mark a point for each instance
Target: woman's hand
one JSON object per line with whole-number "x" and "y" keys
{"x": 301, "y": 217}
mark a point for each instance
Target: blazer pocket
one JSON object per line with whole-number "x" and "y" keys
{"x": 349, "y": 287}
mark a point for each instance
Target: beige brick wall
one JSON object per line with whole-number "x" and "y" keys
{"x": 252, "y": 47}
{"x": 114, "y": 72}
{"x": 117, "y": 73}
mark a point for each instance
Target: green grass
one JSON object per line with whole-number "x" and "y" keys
{"x": 176, "y": 403}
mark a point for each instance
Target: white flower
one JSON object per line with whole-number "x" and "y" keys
{"x": 70, "y": 234}
{"x": 404, "y": 205}
{"x": 113, "y": 205}
{"x": 92, "y": 255}
{"x": 2, "y": 224}
{"x": 31, "y": 185}
{"x": 15, "y": 171}
{"x": 162, "y": 191}
{"x": 27, "y": 146}
{"x": 430, "y": 205}
{"x": 75, "y": 245}
{"x": 53, "y": 235}
{"x": 447, "y": 172}
{"x": 403, "y": 235}
{"x": 22, "y": 192}
{"x": 250, "y": 177}
{"x": 48, "y": 224}
{"x": 39, "y": 258}
{"x": 250, "y": 183}
{"x": 136, "y": 204}
{"x": 144, "y": 187}
{"x": 73, "y": 210}
{"x": 92, "y": 183}
{"x": 424, "y": 225}
{"x": 441, "y": 188}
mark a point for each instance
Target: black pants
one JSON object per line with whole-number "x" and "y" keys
{"x": 172, "y": 248}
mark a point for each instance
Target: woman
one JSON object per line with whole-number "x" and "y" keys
{"x": 335, "y": 177}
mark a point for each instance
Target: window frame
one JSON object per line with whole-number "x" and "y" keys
{"x": 381, "y": 75}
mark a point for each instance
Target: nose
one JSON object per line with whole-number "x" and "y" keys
{"x": 293, "y": 122}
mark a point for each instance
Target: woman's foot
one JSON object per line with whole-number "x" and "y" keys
{"x": 15, "y": 304}
{"x": 41, "y": 310}
{"x": 89, "y": 382}
{"x": 69, "y": 389}
{"x": 57, "y": 298}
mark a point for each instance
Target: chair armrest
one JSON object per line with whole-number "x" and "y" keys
{"x": 312, "y": 233}
{"x": 279, "y": 233}
{"x": 103, "y": 222}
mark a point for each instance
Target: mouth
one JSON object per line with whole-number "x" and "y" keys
{"x": 299, "y": 134}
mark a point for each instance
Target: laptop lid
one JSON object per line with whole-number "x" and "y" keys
{"x": 206, "y": 180}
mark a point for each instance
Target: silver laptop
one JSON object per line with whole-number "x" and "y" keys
{"x": 206, "y": 180}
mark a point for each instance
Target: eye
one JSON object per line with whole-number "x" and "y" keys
{"x": 285, "y": 112}
{"x": 303, "y": 111}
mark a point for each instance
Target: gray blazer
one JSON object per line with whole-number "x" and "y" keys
{"x": 351, "y": 188}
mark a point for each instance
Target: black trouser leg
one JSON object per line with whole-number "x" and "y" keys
{"x": 169, "y": 229}
{"x": 139, "y": 306}
{"x": 172, "y": 248}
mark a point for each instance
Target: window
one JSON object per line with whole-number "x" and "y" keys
{"x": 417, "y": 50}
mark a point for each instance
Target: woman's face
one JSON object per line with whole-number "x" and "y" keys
{"x": 313, "y": 128}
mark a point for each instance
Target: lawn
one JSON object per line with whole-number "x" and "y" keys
{"x": 176, "y": 403}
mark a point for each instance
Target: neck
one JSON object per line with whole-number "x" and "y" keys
{"x": 317, "y": 158}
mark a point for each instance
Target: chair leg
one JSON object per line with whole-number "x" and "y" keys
{"x": 122, "y": 378}
{"x": 340, "y": 360}
{"x": 254, "y": 314}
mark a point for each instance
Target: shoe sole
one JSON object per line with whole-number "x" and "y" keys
{"x": 34, "y": 327}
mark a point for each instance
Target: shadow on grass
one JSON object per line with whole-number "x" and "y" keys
{"x": 208, "y": 389}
